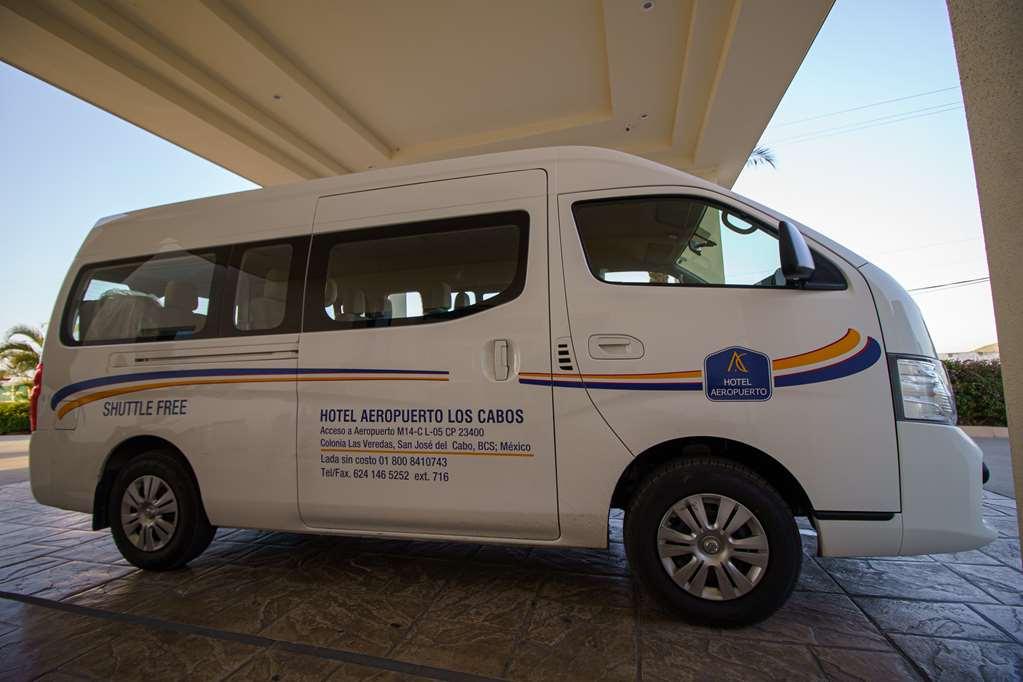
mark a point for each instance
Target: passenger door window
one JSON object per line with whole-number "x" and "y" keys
{"x": 158, "y": 298}
{"x": 416, "y": 273}
{"x": 676, "y": 241}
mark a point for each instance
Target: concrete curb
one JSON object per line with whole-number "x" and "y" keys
{"x": 986, "y": 431}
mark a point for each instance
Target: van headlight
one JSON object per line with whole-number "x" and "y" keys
{"x": 923, "y": 390}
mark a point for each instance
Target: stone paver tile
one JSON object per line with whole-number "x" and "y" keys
{"x": 273, "y": 556}
{"x": 258, "y": 607}
{"x": 350, "y": 672}
{"x": 222, "y": 552}
{"x": 1009, "y": 618}
{"x": 995, "y": 498}
{"x": 15, "y": 555}
{"x": 931, "y": 619}
{"x": 959, "y": 659}
{"x": 808, "y": 538}
{"x": 284, "y": 666}
{"x": 492, "y": 595}
{"x": 1005, "y": 550}
{"x": 686, "y": 657}
{"x": 474, "y": 648}
{"x": 146, "y": 654}
{"x": 610, "y": 561}
{"x": 42, "y": 644}
{"x": 813, "y": 578}
{"x": 616, "y": 530}
{"x": 910, "y": 558}
{"x": 573, "y": 641}
{"x": 73, "y": 538}
{"x": 64, "y": 579}
{"x": 973, "y": 556}
{"x": 589, "y": 590}
{"x": 430, "y": 550}
{"x": 9, "y": 527}
{"x": 353, "y": 621}
{"x": 98, "y": 551}
{"x": 120, "y": 596}
{"x": 849, "y": 664}
{"x": 897, "y": 579}
{"x": 806, "y": 618}
{"x": 1007, "y": 526}
{"x": 501, "y": 554}
{"x": 27, "y": 567}
{"x": 415, "y": 579}
{"x": 30, "y": 534}
{"x": 1001, "y": 582}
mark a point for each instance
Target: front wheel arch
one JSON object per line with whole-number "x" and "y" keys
{"x": 118, "y": 458}
{"x": 769, "y": 468}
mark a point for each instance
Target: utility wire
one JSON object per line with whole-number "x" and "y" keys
{"x": 869, "y": 123}
{"x": 864, "y": 106}
{"x": 949, "y": 285}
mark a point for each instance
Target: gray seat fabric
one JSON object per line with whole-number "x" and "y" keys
{"x": 353, "y": 305}
{"x": 461, "y": 300}
{"x": 120, "y": 315}
{"x": 436, "y": 299}
{"x": 180, "y": 299}
{"x": 267, "y": 311}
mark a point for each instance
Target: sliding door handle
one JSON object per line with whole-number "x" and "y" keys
{"x": 615, "y": 347}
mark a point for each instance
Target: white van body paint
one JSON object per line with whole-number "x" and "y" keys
{"x": 255, "y": 447}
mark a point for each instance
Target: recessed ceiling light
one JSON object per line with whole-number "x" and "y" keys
{"x": 644, "y": 116}
{"x": 277, "y": 96}
{"x": 647, "y": 5}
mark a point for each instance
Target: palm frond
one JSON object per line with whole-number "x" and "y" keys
{"x": 762, "y": 155}
{"x": 25, "y": 334}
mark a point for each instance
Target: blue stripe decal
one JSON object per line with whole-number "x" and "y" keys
{"x": 227, "y": 372}
{"x": 866, "y": 358}
{"x": 618, "y": 386}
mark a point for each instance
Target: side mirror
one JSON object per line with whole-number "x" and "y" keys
{"x": 796, "y": 260}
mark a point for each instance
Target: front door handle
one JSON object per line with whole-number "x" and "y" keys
{"x": 615, "y": 347}
{"x": 502, "y": 368}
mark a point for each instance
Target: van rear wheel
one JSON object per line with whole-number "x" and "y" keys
{"x": 156, "y": 514}
{"x": 713, "y": 541}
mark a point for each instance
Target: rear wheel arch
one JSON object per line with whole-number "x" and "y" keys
{"x": 769, "y": 468}
{"x": 123, "y": 453}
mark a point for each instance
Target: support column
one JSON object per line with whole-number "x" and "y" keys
{"x": 989, "y": 48}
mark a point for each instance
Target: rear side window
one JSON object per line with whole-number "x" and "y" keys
{"x": 261, "y": 290}
{"x": 683, "y": 241}
{"x": 158, "y": 298}
{"x": 415, "y": 273}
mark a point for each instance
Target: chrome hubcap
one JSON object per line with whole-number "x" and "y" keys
{"x": 712, "y": 547}
{"x": 149, "y": 513}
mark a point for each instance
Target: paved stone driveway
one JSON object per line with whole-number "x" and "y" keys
{"x": 278, "y": 606}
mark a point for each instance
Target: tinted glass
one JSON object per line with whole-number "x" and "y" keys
{"x": 675, "y": 240}
{"x": 154, "y": 299}
{"x": 261, "y": 292}
{"x": 415, "y": 273}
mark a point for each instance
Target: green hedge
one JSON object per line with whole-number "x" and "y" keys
{"x": 14, "y": 417}
{"x": 978, "y": 389}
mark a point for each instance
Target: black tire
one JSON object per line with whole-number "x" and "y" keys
{"x": 677, "y": 481}
{"x": 192, "y": 532}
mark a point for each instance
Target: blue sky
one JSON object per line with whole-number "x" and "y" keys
{"x": 893, "y": 182}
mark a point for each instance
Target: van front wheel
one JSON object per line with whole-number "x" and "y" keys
{"x": 156, "y": 513}
{"x": 713, "y": 541}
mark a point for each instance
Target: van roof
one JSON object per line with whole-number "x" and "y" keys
{"x": 578, "y": 168}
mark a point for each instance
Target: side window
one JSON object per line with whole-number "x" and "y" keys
{"x": 676, "y": 240}
{"x": 261, "y": 289}
{"x": 415, "y": 273}
{"x": 158, "y": 298}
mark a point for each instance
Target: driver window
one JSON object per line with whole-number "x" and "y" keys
{"x": 675, "y": 241}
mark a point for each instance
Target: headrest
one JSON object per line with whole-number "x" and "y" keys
{"x": 461, "y": 300}
{"x": 353, "y": 300}
{"x": 375, "y": 305}
{"x": 180, "y": 295}
{"x": 329, "y": 293}
{"x": 436, "y": 297}
{"x": 276, "y": 285}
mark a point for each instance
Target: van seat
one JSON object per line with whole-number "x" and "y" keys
{"x": 180, "y": 299}
{"x": 436, "y": 299}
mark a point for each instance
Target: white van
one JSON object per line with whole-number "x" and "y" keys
{"x": 501, "y": 349}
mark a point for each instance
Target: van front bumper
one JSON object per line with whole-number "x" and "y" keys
{"x": 941, "y": 480}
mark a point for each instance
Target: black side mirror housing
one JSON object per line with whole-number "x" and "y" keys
{"x": 796, "y": 259}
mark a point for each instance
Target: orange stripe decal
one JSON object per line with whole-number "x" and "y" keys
{"x": 692, "y": 374}
{"x": 110, "y": 393}
{"x": 840, "y": 347}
